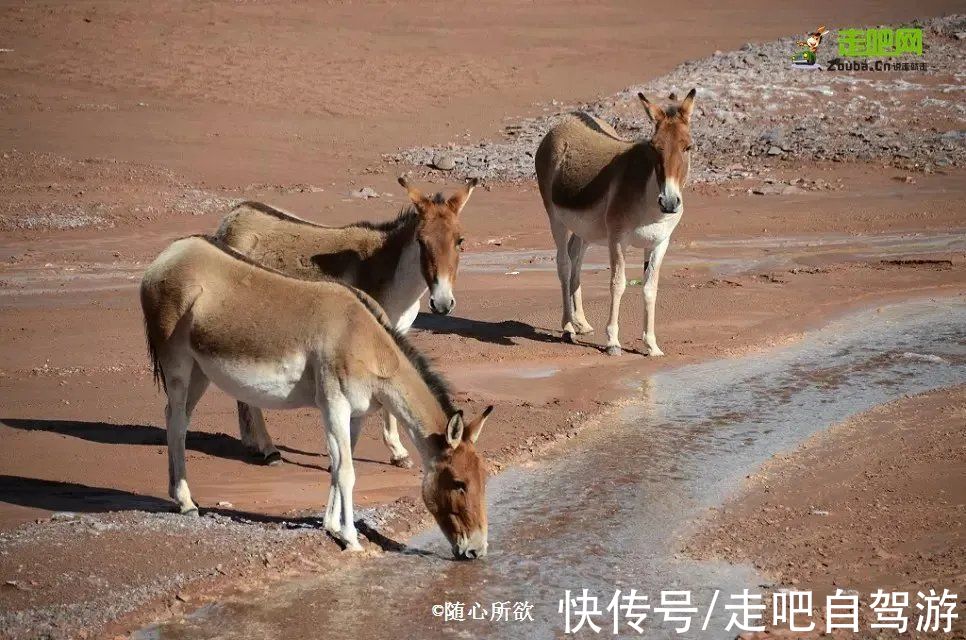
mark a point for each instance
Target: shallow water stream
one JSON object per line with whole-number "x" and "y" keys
{"x": 606, "y": 511}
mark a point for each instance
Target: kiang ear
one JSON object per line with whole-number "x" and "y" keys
{"x": 415, "y": 194}
{"x": 688, "y": 105}
{"x": 457, "y": 201}
{"x": 454, "y": 430}
{"x": 472, "y": 431}
{"x": 654, "y": 112}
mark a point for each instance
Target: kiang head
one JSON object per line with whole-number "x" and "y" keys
{"x": 672, "y": 144}
{"x": 440, "y": 241}
{"x": 454, "y": 486}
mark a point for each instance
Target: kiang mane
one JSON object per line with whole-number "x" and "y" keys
{"x": 437, "y": 385}
{"x": 407, "y": 216}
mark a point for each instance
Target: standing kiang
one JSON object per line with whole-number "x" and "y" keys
{"x": 599, "y": 188}
{"x": 321, "y": 344}
{"x": 394, "y": 262}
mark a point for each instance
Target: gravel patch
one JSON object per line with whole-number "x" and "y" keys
{"x": 754, "y": 111}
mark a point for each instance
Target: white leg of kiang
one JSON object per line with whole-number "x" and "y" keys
{"x": 177, "y": 381}
{"x": 254, "y": 434}
{"x": 355, "y": 430}
{"x": 338, "y": 417}
{"x": 561, "y": 236}
{"x": 398, "y": 454}
{"x": 651, "y": 274}
{"x": 577, "y": 248}
{"x": 332, "y": 521}
{"x": 196, "y": 389}
{"x": 618, "y": 282}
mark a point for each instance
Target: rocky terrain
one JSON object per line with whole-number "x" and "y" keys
{"x": 754, "y": 111}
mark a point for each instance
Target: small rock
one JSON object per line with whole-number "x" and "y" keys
{"x": 364, "y": 193}
{"x": 182, "y": 597}
{"x": 444, "y": 162}
{"x": 775, "y": 151}
{"x": 225, "y": 504}
{"x": 63, "y": 516}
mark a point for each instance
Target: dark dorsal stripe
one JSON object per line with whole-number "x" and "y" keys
{"x": 407, "y": 215}
{"x": 437, "y": 385}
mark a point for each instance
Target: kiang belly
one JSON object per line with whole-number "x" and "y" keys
{"x": 588, "y": 224}
{"x": 283, "y": 384}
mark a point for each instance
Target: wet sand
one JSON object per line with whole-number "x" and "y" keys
{"x": 155, "y": 135}
{"x": 608, "y": 511}
{"x": 860, "y": 506}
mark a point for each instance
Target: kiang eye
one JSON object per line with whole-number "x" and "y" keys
{"x": 459, "y": 486}
{"x": 688, "y": 148}
{"x": 459, "y": 242}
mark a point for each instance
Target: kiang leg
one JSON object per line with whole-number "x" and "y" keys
{"x": 398, "y": 455}
{"x": 178, "y": 387}
{"x": 561, "y": 236}
{"x": 339, "y": 427}
{"x": 618, "y": 281}
{"x": 651, "y": 275}
{"x": 576, "y": 249}
{"x": 254, "y": 435}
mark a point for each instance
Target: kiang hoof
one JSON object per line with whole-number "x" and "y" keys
{"x": 614, "y": 350}
{"x": 584, "y": 329}
{"x": 272, "y": 459}
{"x": 353, "y": 547}
{"x": 655, "y": 352}
{"x": 403, "y": 463}
{"x": 191, "y": 512}
{"x": 569, "y": 336}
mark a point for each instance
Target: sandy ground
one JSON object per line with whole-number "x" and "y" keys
{"x": 860, "y": 506}
{"x": 109, "y": 152}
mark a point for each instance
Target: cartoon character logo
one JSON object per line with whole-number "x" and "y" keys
{"x": 806, "y": 57}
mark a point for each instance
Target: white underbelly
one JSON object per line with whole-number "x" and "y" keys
{"x": 589, "y": 224}
{"x": 270, "y": 385}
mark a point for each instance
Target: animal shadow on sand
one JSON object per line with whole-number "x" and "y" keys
{"x": 219, "y": 445}
{"x": 57, "y": 496}
{"x": 500, "y": 333}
